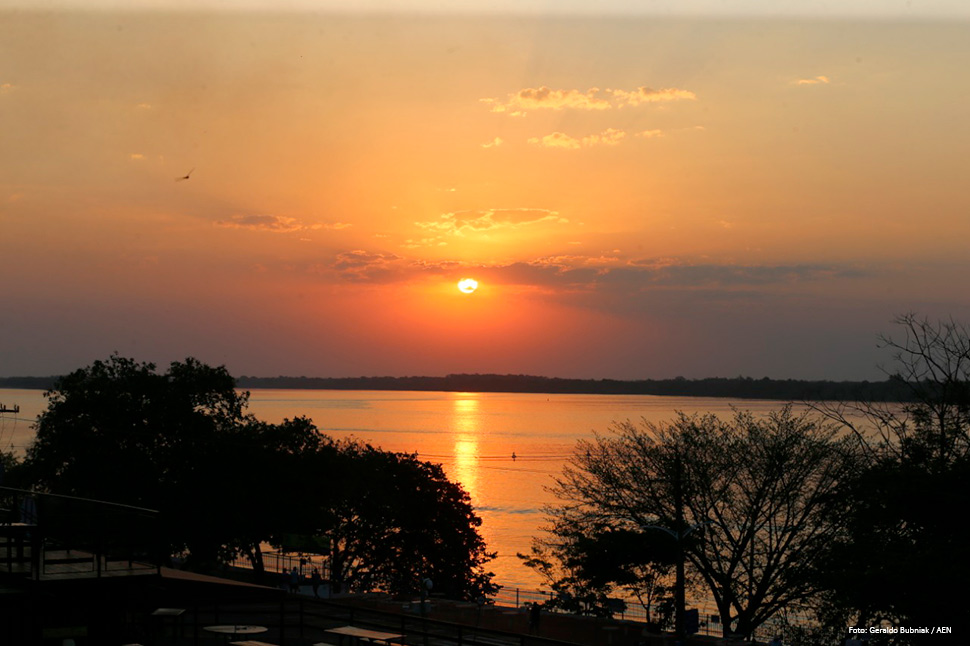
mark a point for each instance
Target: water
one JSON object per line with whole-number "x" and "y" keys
{"x": 473, "y": 435}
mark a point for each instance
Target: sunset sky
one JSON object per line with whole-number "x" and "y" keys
{"x": 638, "y": 195}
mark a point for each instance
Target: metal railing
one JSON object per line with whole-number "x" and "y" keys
{"x": 46, "y": 535}
{"x": 279, "y": 562}
{"x": 709, "y": 618}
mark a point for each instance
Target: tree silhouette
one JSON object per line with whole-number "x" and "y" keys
{"x": 183, "y": 443}
{"x": 746, "y": 499}
{"x": 904, "y": 546}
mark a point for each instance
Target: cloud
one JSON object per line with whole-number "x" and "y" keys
{"x": 272, "y": 223}
{"x": 609, "y": 137}
{"x": 136, "y": 157}
{"x": 725, "y": 276}
{"x": 424, "y": 242}
{"x": 144, "y": 106}
{"x": 6, "y": 87}
{"x": 610, "y": 272}
{"x": 276, "y": 224}
{"x": 596, "y": 276}
{"x": 566, "y": 262}
{"x": 650, "y": 95}
{"x": 494, "y": 143}
{"x": 818, "y": 80}
{"x": 545, "y": 98}
{"x": 606, "y": 276}
{"x": 557, "y": 140}
{"x": 464, "y": 223}
{"x": 359, "y": 265}
{"x": 359, "y": 258}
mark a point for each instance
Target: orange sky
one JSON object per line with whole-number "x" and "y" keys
{"x": 638, "y": 196}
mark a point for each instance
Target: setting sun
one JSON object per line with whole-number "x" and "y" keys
{"x": 467, "y": 285}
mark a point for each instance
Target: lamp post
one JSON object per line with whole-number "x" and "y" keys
{"x": 680, "y": 585}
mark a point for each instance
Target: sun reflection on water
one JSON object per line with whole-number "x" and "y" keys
{"x": 465, "y": 422}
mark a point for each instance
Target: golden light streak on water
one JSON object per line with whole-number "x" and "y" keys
{"x": 466, "y": 418}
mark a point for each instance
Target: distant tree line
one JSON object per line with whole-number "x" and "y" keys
{"x": 736, "y": 387}
{"x": 889, "y": 390}
{"x": 28, "y": 383}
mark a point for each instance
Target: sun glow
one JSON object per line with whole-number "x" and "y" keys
{"x": 467, "y": 285}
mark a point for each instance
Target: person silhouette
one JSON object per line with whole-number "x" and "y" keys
{"x": 535, "y": 613}
{"x": 315, "y": 582}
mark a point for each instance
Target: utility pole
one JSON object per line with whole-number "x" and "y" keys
{"x": 679, "y": 534}
{"x": 680, "y": 591}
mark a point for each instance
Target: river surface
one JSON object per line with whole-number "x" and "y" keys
{"x": 504, "y": 448}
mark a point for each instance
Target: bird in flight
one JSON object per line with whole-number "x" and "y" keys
{"x": 186, "y": 176}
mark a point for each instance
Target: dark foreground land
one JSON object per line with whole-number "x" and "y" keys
{"x": 131, "y": 616}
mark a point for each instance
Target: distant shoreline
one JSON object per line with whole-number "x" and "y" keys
{"x": 890, "y": 390}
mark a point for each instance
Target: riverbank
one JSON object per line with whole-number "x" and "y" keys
{"x": 734, "y": 387}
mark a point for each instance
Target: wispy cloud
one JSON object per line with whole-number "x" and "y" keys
{"x": 361, "y": 265}
{"x": 494, "y": 143}
{"x": 726, "y": 276}
{"x": 609, "y": 137}
{"x": 436, "y": 241}
{"x": 276, "y": 224}
{"x": 650, "y": 95}
{"x": 464, "y": 223}
{"x": 818, "y": 80}
{"x": 136, "y": 157}
{"x": 272, "y": 223}
{"x": 607, "y": 273}
{"x": 545, "y": 98}
{"x": 359, "y": 258}
{"x": 6, "y": 87}
{"x": 557, "y": 140}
